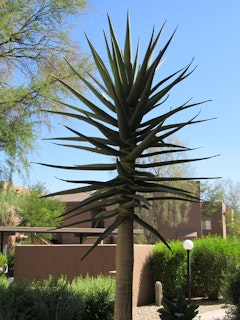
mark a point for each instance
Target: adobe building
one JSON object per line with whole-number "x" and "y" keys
{"x": 73, "y": 219}
{"x": 189, "y": 229}
{"x": 198, "y": 223}
{"x": 214, "y": 223}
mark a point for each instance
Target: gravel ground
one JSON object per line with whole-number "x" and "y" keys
{"x": 150, "y": 312}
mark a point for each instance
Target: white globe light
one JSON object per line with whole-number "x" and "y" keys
{"x": 188, "y": 245}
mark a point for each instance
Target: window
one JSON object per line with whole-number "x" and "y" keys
{"x": 206, "y": 224}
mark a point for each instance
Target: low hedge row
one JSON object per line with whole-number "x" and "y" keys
{"x": 82, "y": 299}
{"x": 209, "y": 260}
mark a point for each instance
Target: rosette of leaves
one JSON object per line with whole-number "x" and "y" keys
{"x": 181, "y": 310}
{"x": 130, "y": 118}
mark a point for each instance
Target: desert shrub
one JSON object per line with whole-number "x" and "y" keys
{"x": 170, "y": 268}
{"x": 16, "y": 302}
{"x": 98, "y": 295}
{"x": 81, "y": 299}
{"x": 55, "y": 299}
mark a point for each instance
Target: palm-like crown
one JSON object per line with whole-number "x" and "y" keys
{"x": 127, "y": 95}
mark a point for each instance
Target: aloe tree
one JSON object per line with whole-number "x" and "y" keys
{"x": 127, "y": 94}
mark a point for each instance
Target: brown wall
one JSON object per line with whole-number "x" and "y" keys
{"x": 38, "y": 262}
{"x": 189, "y": 229}
{"x": 218, "y": 221}
{"x": 73, "y": 220}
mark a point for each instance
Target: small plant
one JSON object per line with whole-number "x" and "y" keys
{"x": 10, "y": 262}
{"x": 181, "y": 310}
{"x": 3, "y": 263}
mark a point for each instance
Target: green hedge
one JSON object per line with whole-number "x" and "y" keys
{"x": 170, "y": 267}
{"x": 231, "y": 284}
{"x": 81, "y": 299}
{"x": 231, "y": 289}
{"x": 209, "y": 260}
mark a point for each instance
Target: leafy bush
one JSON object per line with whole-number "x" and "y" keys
{"x": 3, "y": 260}
{"x": 10, "y": 262}
{"x": 231, "y": 289}
{"x": 231, "y": 283}
{"x": 60, "y": 299}
{"x": 54, "y": 299}
{"x": 98, "y": 295}
{"x": 16, "y": 301}
{"x": 170, "y": 268}
{"x": 208, "y": 263}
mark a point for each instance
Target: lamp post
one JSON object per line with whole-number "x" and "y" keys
{"x": 188, "y": 245}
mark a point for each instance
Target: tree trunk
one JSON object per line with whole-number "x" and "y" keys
{"x": 124, "y": 272}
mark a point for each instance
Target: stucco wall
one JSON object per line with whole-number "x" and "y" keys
{"x": 183, "y": 230}
{"x": 218, "y": 220}
{"x": 38, "y": 262}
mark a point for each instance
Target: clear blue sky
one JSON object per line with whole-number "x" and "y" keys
{"x": 207, "y": 30}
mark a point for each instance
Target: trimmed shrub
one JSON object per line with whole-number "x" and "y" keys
{"x": 231, "y": 289}
{"x": 231, "y": 283}
{"x": 170, "y": 268}
{"x": 209, "y": 260}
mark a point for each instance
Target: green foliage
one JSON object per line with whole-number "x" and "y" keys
{"x": 226, "y": 191}
{"x": 28, "y": 208}
{"x": 56, "y": 300}
{"x": 81, "y": 299}
{"x": 181, "y": 310}
{"x": 3, "y": 263}
{"x": 170, "y": 268}
{"x": 3, "y": 260}
{"x": 231, "y": 283}
{"x": 34, "y": 41}
{"x": 212, "y": 195}
{"x": 231, "y": 288}
{"x": 209, "y": 260}
{"x": 39, "y": 211}
{"x": 10, "y": 263}
{"x": 9, "y": 206}
{"x": 98, "y": 295}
